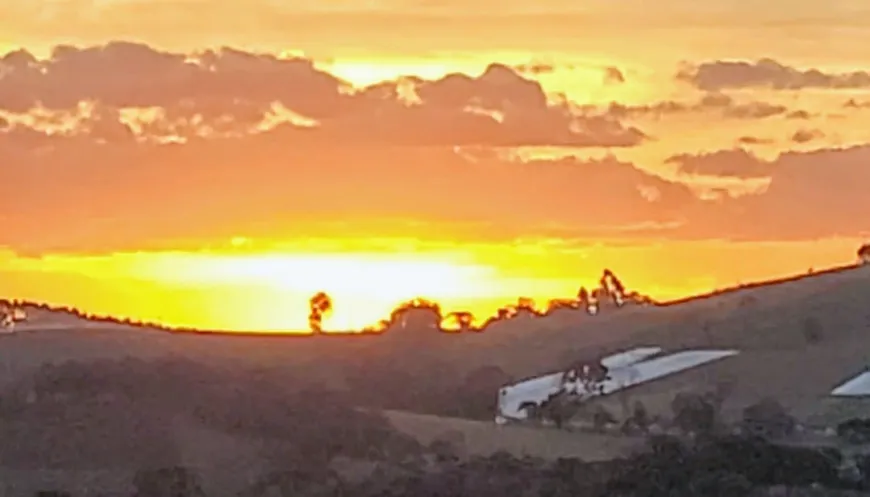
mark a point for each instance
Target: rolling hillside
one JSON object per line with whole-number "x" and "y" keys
{"x": 767, "y": 323}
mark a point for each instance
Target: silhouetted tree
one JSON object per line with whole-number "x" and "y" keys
{"x": 594, "y": 301}
{"x": 864, "y": 254}
{"x": 526, "y": 305}
{"x": 583, "y": 297}
{"x": 319, "y": 306}
{"x": 612, "y": 287}
{"x": 417, "y": 314}
{"x": 463, "y": 320}
{"x": 556, "y": 304}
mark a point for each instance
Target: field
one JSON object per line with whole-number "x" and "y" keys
{"x": 481, "y": 437}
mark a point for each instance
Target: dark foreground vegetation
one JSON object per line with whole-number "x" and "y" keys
{"x": 317, "y": 443}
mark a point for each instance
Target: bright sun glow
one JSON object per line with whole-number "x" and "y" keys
{"x": 365, "y": 288}
{"x": 246, "y": 288}
{"x": 270, "y": 292}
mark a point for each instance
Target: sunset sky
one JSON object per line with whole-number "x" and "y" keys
{"x": 213, "y": 163}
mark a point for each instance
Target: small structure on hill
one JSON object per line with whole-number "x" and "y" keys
{"x": 585, "y": 379}
{"x": 857, "y": 386}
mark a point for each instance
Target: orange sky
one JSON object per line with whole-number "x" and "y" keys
{"x": 469, "y": 152}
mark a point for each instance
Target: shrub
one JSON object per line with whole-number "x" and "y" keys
{"x": 719, "y": 483}
{"x": 601, "y": 418}
{"x": 449, "y": 445}
{"x": 855, "y": 430}
{"x": 666, "y": 446}
{"x": 640, "y": 416}
{"x": 768, "y": 418}
{"x": 693, "y": 413}
{"x": 167, "y": 482}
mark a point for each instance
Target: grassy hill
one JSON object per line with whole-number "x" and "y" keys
{"x": 799, "y": 338}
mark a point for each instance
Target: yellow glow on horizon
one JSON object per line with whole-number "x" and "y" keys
{"x": 340, "y": 273}
{"x": 270, "y": 291}
{"x": 241, "y": 289}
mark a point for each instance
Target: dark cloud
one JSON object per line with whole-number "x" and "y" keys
{"x": 123, "y": 74}
{"x": 856, "y": 104}
{"x": 806, "y": 135}
{"x": 754, "y": 140}
{"x": 814, "y": 194}
{"x": 767, "y": 73}
{"x": 799, "y": 114}
{"x": 724, "y": 105}
{"x": 72, "y": 193}
{"x": 78, "y": 194}
{"x": 612, "y": 75}
{"x": 230, "y": 91}
{"x": 736, "y": 163}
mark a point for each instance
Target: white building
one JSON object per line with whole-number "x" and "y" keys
{"x": 625, "y": 369}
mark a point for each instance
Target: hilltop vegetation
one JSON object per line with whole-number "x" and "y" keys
{"x": 415, "y": 313}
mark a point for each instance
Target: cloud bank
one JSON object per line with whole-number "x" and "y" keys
{"x": 767, "y": 73}
{"x": 234, "y": 92}
{"x": 123, "y": 145}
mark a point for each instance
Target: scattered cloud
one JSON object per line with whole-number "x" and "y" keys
{"x": 724, "y": 105}
{"x": 806, "y": 135}
{"x": 735, "y": 163}
{"x": 612, "y": 75}
{"x": 767, "y": 73}
{"x": 754, "y": 140}
{"x": 536, "y": 68}
{"x": 811, "y": 195}
{"x": 122, "y": 145}
{"x": 856, "y": 104}
{"x": 799, "y": 114}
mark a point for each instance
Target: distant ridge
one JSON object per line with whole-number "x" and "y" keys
{"x": 758, "y": 284}
{"x": 296, "y": 334}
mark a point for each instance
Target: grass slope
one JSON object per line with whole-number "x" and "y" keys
{"x": 765, "y": 321}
